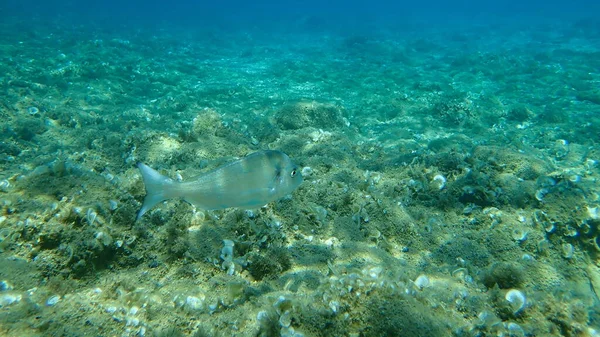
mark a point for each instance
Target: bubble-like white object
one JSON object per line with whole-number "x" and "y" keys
{"x": 440, "y": 180}
{"x": 4, "y": 185}
{"x": 593, "y": 332}
{"x": 541, "y": 193}
{"x": 373, "y": 272}
{"x": 460, "y": 273}
{"x": 104, "y": 238}
{"x": 91, "y": 216}
{"x": 571, "y": 231}
{"x": 133, "y": 310}
{"x": 422, "y": 282}
{"x": 227, "y": 250}
{"x": 132, "y": 321}
{"x": 32, "y": 110}
{"x": 307, "y": 171}
{"x": 515, "y": 329}
{"x": 227, "y": 256}
{"x": 519, "y": 234}
{"x": 568, "y": 250}
{"x": 194, "y": 303}
{"x": 4, "y": 285}
{"x": 212, "y": 307}
{"x": 527, "y": 257}
{"x": 8, "y": 299}
{"x": 334, "y": 305}
{"x": 517, "y": 300}
{"x": 229, "y": 266}
{"x": 262, "y": 316}
{"x": 594, "y": 212}
{"x": 52, "y": 300}
{"x": 198, "y": 218}
{"x": 285, "y": 319}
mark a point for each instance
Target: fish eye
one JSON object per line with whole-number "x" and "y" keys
{"x": 293, "y": 173}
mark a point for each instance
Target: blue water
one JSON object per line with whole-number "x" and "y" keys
{"x": 263, "y": 13}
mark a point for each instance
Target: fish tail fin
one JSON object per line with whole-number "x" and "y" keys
{"x": 157, "y": 188}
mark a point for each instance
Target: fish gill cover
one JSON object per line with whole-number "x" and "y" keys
{"x": 449, "y": 152}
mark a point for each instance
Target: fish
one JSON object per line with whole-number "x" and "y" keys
{"x": 250, "y": 182}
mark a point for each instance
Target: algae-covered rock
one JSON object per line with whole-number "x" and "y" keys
{"x": 465, "y": 248}
{"x": 269, "y": 264}
{"x": 505, "y": 275}
{"x": 207, "y": 122}
{"x": 519, "y": 113}
{"x": 590, "y": 96}
{"x": 304, "y": 114}
{"x": 393, "y": 315}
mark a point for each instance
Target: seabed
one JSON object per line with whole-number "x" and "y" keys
{"x": 451, "y": 182}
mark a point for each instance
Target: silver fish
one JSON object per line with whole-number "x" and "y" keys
{"x": 250, "y": 182}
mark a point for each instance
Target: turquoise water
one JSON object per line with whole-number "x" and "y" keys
{"x": 450, "y": 161}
